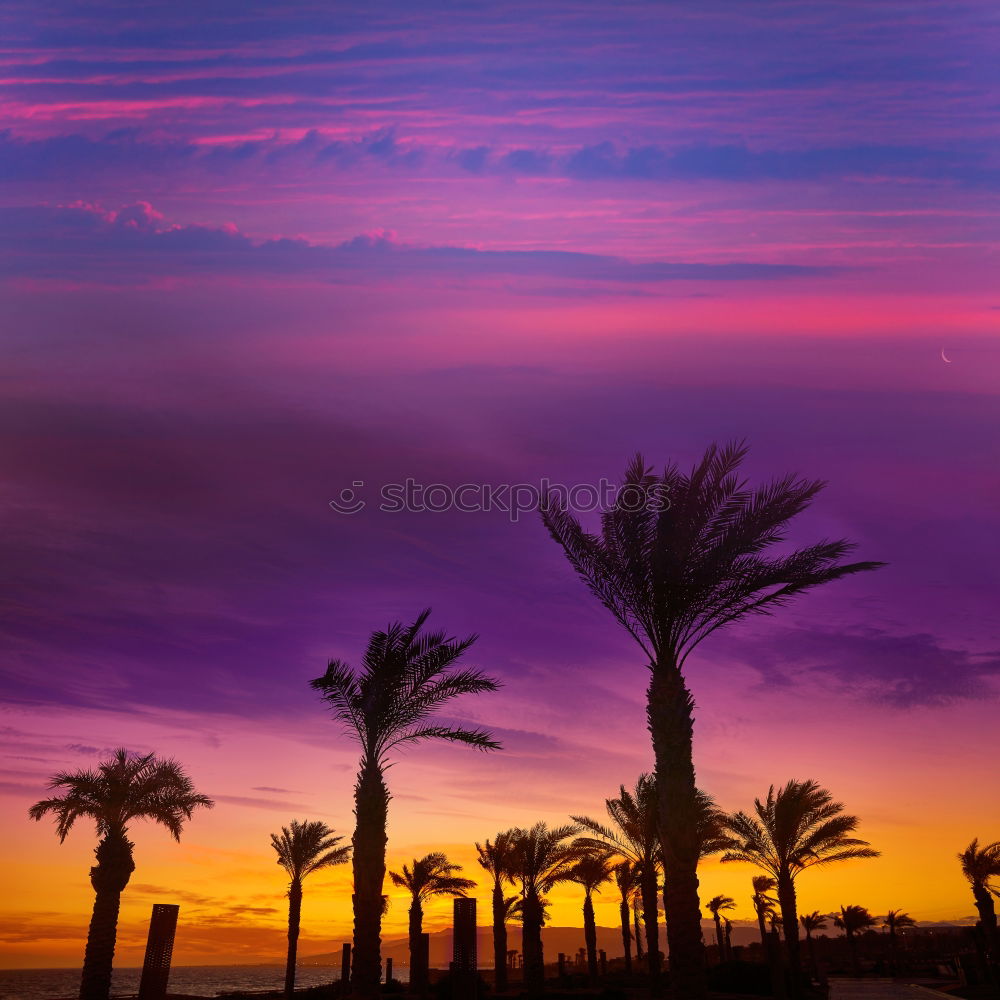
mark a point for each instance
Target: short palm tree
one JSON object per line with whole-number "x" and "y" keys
{"x": 764, "y": 905}
{"x": 814, "y": 921}
{"x": 893, "y": 921}
{"x": 432, "y": 875}
{"x": 406, "y": 675}
{"x": 677, "y": 558}
{"x": 593, "y": 870}
{"x": 796, "y": 827}
{"x": 980, "y": 865}
{"x": 634, "y": 835}
{"x": 495, "y": 858}
{"x": 715, "y": 906}
{"x": 303, "y": 848}
{"x": 852, "y": 920}
{"x": 125, "y": 788}
{"x": 540, "y": 859}
{"x": 627, "y": 880}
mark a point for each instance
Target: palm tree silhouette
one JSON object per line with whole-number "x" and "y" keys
{"x": 634, "y": 836}
{"x": 814, "y": 921}
{"x": 896, "y": 920}
{"x": 303, "y": 848}
{"x": 677, "y": 558}
{"x": 980, "y": 865}
{"x": 714, "y": 906}
{"x": 797, "y": 827}
{"x": 405, "y": 677}
{"x": 495, "y": 858}
{"x": 540, "y": 859}
{"x": 626, "y": 878}
{"x": 763, "y": 904}
{"x": 852, "y": 919}
{"x": 124, "y": 788}
{"x": 431, "y": 875}
{"x": 593, "y": 870}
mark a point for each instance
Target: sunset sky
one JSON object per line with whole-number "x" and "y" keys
{"x": 252, "y": 254}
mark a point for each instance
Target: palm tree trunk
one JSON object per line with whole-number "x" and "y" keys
{"x": 108, "y": 877}
{"x": 590, "y": 937}
{"x": 812, "y": 956}
{"x": 670, "y": 715}
{"x": 790, "y": 925}
{"x": 294, "y": 915}
{"x": 988, "y": 919}
{"x": 855, "y": 961}
{"x": 729, "y": 941}
{"x": 650, "y": 920}
{"x": 763, "y": 928}
{"x": 638, "y": 934}
{"x": 531, "y": 946}
{"x": 623, "y": 911}
{"x": 499, "y": 940}
{"x": 418, "y": 973}
{"x": 371, "y": 805}
{"x": 719, "y": 938}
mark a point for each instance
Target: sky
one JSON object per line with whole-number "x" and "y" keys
{"x": 254, "y": 255}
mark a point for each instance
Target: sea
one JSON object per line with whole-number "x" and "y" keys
{"x": 192, "y": 980}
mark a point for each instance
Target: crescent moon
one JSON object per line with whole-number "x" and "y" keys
{"x": 944, "y": 357}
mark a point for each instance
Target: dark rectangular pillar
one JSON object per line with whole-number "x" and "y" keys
{"x": 159, "y": 949}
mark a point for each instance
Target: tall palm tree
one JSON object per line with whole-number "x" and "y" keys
{"x": 677, "y": 558}
{"x": 634, "y": 835}
{"x": 593, "y": 870}
{"x": 980, "y": 865}
{"x": 814, "y": 921}
{"x": 124, "y": 788}
{"x": 893, "y": 921}
{"x": 763, "y": 904}
{"x": 495, "y": 858}
{"x": 714, "y": 906}
{"x": 303, "y": 848}
{"x": 432, "y": 875}
{"x": 851, "y": 920}
{"x": 797, "y": 827}
{"x": 405, "y": 677}
{"x": 541, "y": 858}
{"x": 627, "y": 880}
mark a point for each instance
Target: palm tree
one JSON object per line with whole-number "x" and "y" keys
{"x": 729, "y": 937}
{"x": 540, "y": 860}
{"x": 852, "y": 919}
{"x": 677, "y": 558}
{"x": 593, "y": 870}
{"x": 303, "y": 848}
{"x": 431, "y": 875}
{"x": 634, "y": 835}
{"x": 126, "y": 787}
{"x": 714, "y": 906}
{"x": 980, "y": 865}
{"x": 763, "y": 904}
{"x": 896, "y": 920}
{"x": 814, "y": 921}
{"x": 404, "y": 678}
{"x": 797, "y": 827}
{"x": 495, "y": 858}
{"x": 627, "y": 880}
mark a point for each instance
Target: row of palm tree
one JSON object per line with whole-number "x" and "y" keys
{"x": 677, "y": 558}
{"x": 131, "y": 787}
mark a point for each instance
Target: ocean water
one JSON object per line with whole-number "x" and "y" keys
{"x": 194, "y": 980}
